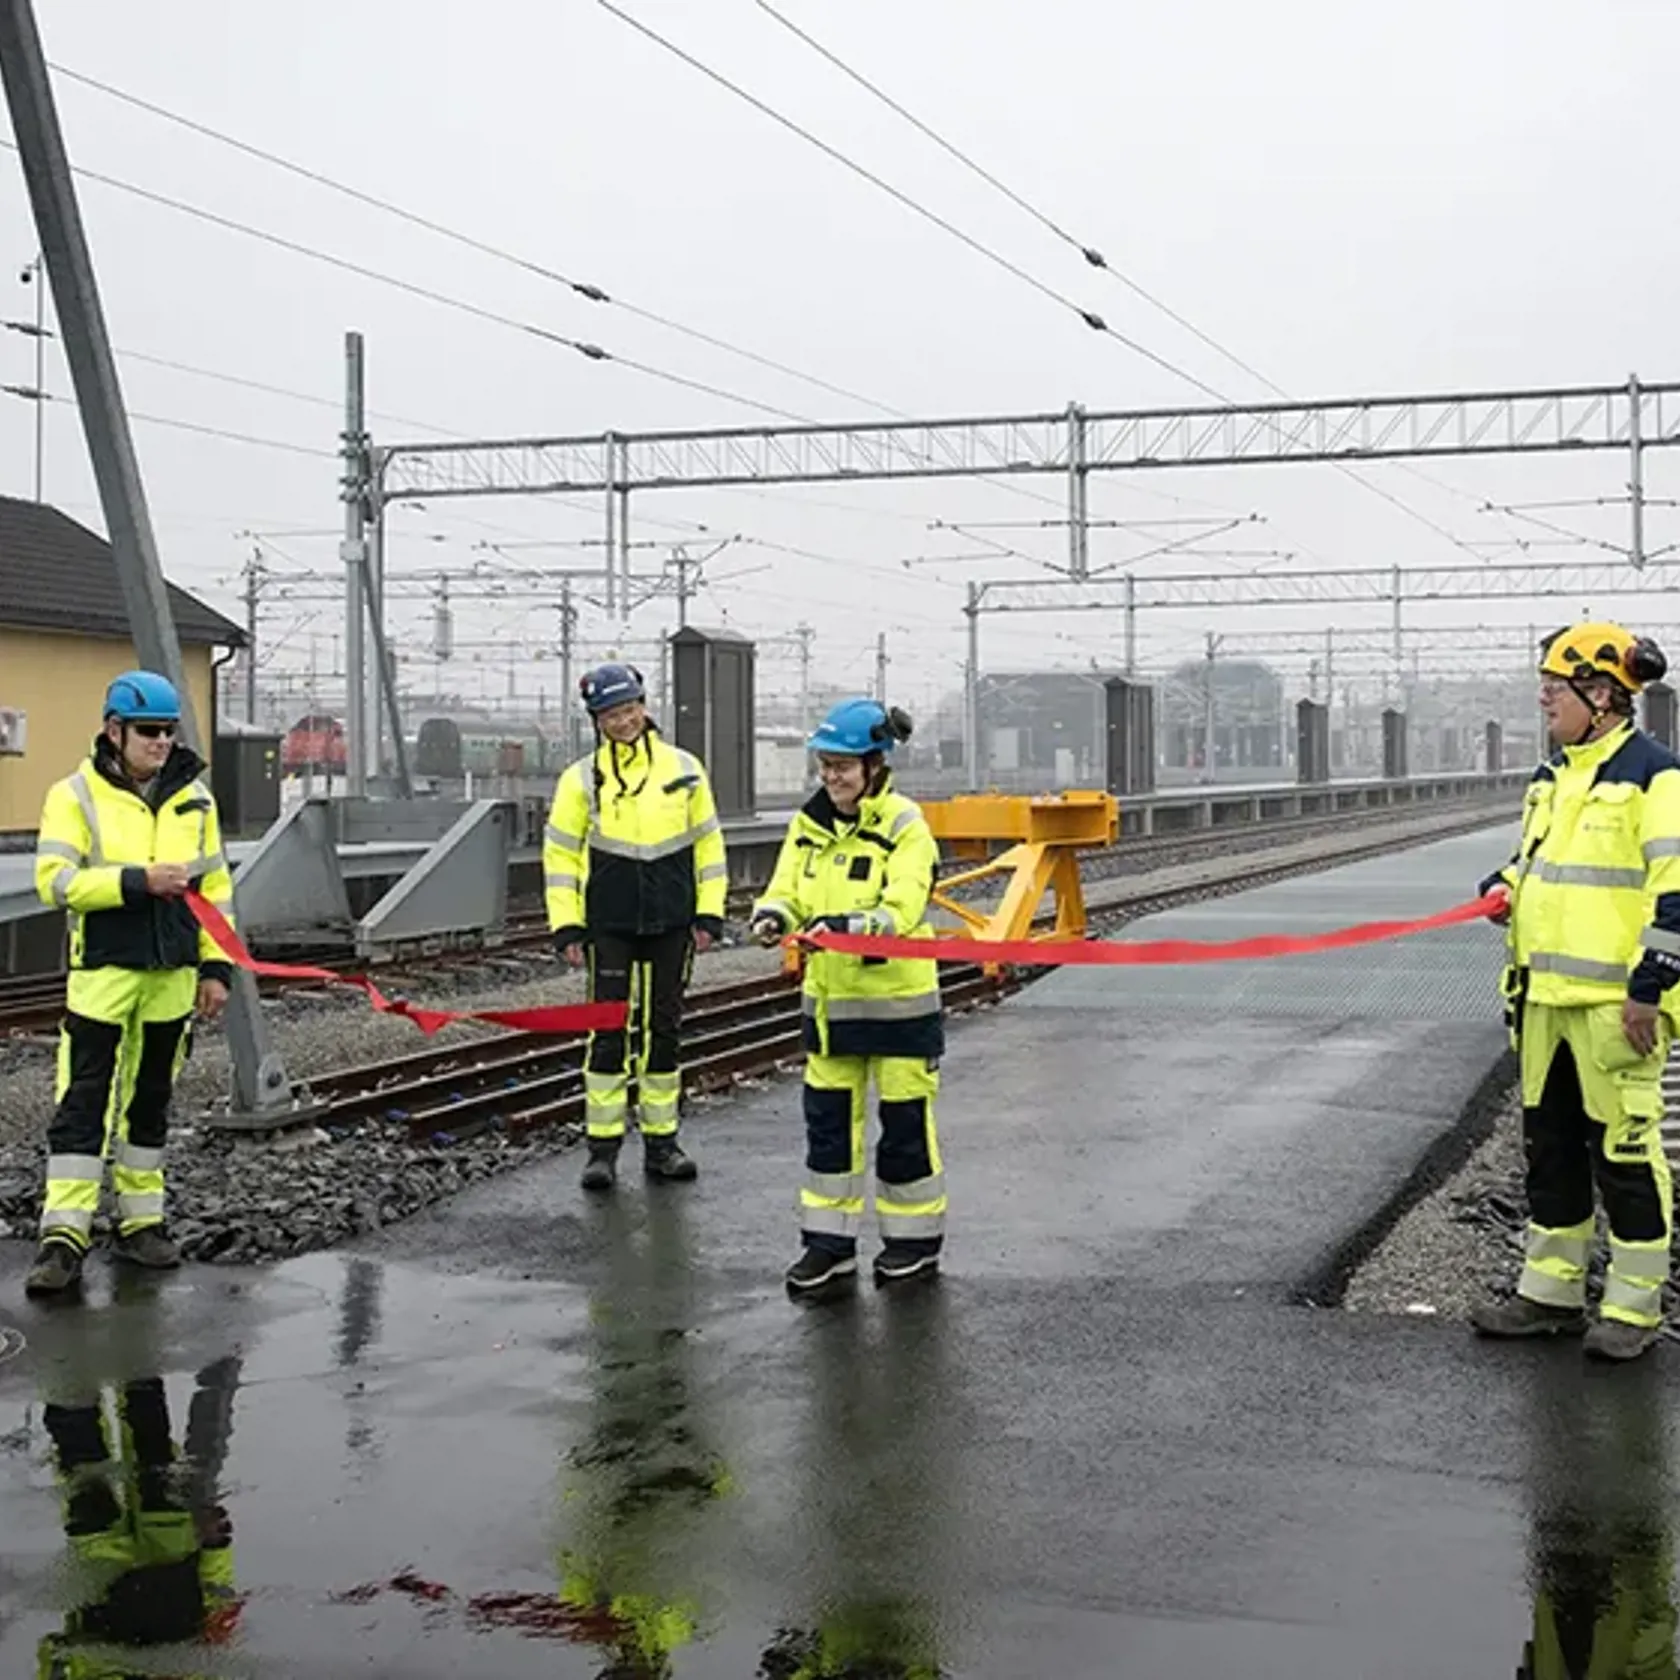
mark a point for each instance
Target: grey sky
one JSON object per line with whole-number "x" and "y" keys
{"x": 1355, "y": 199}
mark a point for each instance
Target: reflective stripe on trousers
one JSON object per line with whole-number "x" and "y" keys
{"x": 125, "y": 1036}
{"x": 910, "y": 1199}
{"x": 1555, "y": 1265}
{"x": 1633, "y": 1285}
{"x": 657, "y": 1097}
{"x": 606, "y": 1099}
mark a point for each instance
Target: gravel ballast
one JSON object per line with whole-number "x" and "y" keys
{"x": 1459, "y": 1241}
{"x": 239, "y": 1200}
{"x": 1464, "y": 1241}
{"x": 236, "y": 1200}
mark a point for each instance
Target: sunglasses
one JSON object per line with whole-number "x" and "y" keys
{"x": 154, "y": 731}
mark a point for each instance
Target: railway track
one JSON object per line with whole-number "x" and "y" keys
{"x": 522, "y": 1081}
{"x": 34, "y": 1003}
{"x": 519, "y": 1082}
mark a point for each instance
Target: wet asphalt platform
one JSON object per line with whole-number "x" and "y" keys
{"x": 528, "y": 1436}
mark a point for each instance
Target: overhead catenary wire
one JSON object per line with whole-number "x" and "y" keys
{"x": 1089, "y": 316}
{"x": 244, "y": 382}
{"x": 585, "y": 289}
{"x": 179, "y": 425}
{"x": 1089, "y": 253}
{"x": 590, "y": 351}
{"x": 1094, "y": 257}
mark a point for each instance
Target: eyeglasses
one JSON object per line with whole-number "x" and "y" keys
{"x": 154, "y": 731}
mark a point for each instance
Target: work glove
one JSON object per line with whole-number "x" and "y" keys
{"x": 1497, "y": 884}
{"x": 767, "y": 927}
{"x": 859, "y": 921}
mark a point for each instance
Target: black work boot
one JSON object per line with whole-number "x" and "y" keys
{"x": 663, "y": 1157}
{"x": 1520, "y": 1316}
{"x": 600, "y": 1171}
{"x": 1615, "y": 1338}
{"x": 57, "y": 1268}
{"x": 818, "y": 1268}
{"x": 150, "y": 1246}
{"x": 897, "y": 1262}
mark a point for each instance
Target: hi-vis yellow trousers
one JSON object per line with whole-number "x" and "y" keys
{"x": 124, "y": 1037}
{"x": 1592, "y": 1111}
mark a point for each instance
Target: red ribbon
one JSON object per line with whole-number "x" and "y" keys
{"x": 1100, "y": 953}
{"x": 553, "y": 1018}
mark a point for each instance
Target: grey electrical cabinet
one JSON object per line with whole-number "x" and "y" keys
{"x": 1395, "y": 763}
{"x": 1312, "y": 742}
{"x": 245, "y": 778}
{"x": 1659, "y": 712}
{"x": 1131, "y": 736}
{"x": 712, "y": 676}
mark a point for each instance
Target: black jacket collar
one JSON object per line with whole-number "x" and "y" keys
{"x": 179, "y": 769}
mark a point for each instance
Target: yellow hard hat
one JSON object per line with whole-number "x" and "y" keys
{"x": 1602, "y": 650}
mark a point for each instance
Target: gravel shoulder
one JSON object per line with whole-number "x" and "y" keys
{"x": 1464, "y": 1241}
{"x": 238, "y": 1201}
{"x": 1459, "y": 1241}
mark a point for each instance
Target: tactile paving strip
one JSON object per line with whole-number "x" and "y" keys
{"x": 1448, "y": 975}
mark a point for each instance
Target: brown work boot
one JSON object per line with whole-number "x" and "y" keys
{"x": 57, "y": 1268}
{"x": 1520, "y": 1316}
{"x": 1613, "y": 1338}
{"x": 150, "y": 1247}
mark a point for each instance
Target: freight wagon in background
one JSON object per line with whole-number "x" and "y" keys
{"x": 448, "y": 750}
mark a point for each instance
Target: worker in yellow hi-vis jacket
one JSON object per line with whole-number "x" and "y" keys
{"x": 121, "y": 841}
{"x": 860, "y": 858}
{"x": 1594, "y": 918}
{"x": 634, "y": 871}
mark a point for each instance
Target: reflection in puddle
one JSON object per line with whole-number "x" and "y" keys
{"x": 641, "y": 1492}
{"x": 880, "y": 1494}
{"x": 150, "y": 1545}
{"x": 1601, "y": 1552}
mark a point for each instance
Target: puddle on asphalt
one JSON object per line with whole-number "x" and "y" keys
{"x": 353, "y": 1465}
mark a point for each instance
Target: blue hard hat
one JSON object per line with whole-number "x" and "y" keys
{"x": 142, "y": 697}
{"x": 611, "y": 685}
{"x": 856, "y": 727}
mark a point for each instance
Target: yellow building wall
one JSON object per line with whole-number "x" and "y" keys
{"x": 60, "y": 681}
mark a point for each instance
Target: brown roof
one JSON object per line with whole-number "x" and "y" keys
{"x": 58, "y": 575}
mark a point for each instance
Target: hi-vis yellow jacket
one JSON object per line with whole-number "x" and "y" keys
{"x": 876, "y": 872}
{"x": 1595, "y": 881}
{"x": 633, "y": 844}
{"x": 97, "y": 835}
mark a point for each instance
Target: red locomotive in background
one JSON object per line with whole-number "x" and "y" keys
{"x": 314, "y": 745}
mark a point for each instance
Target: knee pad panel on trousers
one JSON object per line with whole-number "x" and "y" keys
{"x": 161, "y": 1043}
{"x": 1633, "y": 1201}
{"x": 903, "y": 1155}
{"x": 1558, "y": 1157}
{"x": 828, "y": 1129}
{"x": 88, "y": 1053}
{"x": 606, "y": 1052}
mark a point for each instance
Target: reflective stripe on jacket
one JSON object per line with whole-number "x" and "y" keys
{"x": 96, "y": 838}
{"x": 881, "y": 863}
{"x": 633, "y": 844}
{"x": 1595, "y": 882}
